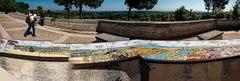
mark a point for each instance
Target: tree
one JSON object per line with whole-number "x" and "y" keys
{"x": 49, "y": 13}
{"x": 139, "y": 4}
{"x": 22, "y": 6}
{"x": 236, "y": 10}
{"x": 7, "y": 5}
{"x": 90, "y": 3}
{"x": 215, "y": 5}
{"x": 238, "y": 2}
{"x": 220, "y": 15}
{"x": 181, "y": 14}
{"x": 208, "y": 4}
{"x": 39, "y": 9}
{"x": 168, "y": 17}
{"x": 67, "y": 4}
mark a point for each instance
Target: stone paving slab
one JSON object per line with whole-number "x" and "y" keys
{"x": 192, "y": 39}
{"x": 41, "y": 35}
{"x": 16, "y": 28}
{"x": 75, "y": 40}
{"x": 231, "y": 35}
{"x": 4, "y": 33}
{"x": 1, "y": 35}
{"x": 5, "y": 20}
{"x": 13, "y": 25}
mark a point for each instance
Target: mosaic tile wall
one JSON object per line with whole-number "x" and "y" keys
{"x": 110, "y": 51}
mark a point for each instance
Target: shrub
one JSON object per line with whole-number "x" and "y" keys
{"x": 181, "y": 14}
{"x": 168, "y": 17}
{"x": 220, "y": 15}
{"x": 195, "y": 16}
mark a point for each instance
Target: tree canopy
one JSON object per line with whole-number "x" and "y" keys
{"x": 90, "y": 3}
{"x": 140, "y": 4}
{"x": 39, "y": 9}
{"x": 215, "y": 5}
{"x": 22, "y": 6}
{"x": 236, "y": 9}
{"x": 7, "y": 5}
{"x": 67, "y": 4}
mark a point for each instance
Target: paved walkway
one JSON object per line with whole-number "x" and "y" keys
{"x": 12, "y": 28}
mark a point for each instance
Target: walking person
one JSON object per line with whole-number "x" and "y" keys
{"x": 30, "y": 20}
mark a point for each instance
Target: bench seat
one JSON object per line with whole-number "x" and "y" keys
{"x": 104, "y": 37}
{"x": 211, "y": 35}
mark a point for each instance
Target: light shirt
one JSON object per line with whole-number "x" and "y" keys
{"x": 32, "y": 18}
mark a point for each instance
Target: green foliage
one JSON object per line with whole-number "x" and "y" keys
{"x": 93, "y": 4}
{"x": 139, "y": 5}
{"x": 181, "y": 14}
{"x": 195, "y": 16}
{"x": 220, "y": 15}
{"x": 8, "y": 6}
{"x": 49, "y": 13}
{"x": 229, "y": 15}
{"x": 67, "y": 4}
{"x": 208, "y": 4}
{"x": 215, "y": 5}
{"x": 168, "y": 17}
{"x": 39, "y": 9}
{"x": 236, "y": 10}
{"x": 22, "y": 6}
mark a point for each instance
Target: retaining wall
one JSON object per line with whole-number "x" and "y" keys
{"x": 161, "y": 30}
{"x": 30, "y": 70}
{"x": 226, "y": 69}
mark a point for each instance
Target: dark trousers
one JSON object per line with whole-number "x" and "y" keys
{"x": 28, "y": 31}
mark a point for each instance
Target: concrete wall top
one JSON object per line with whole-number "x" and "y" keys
{"x": 162, "y": 22}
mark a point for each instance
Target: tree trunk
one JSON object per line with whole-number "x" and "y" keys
{"x": 80, "y": 10}
{"x": 129, "y": 12}
{"x": 68, "y": 12}
{"x": 213, "y": 10}
{"x": 67, "y": 8}
{"x": 208, "y": 12}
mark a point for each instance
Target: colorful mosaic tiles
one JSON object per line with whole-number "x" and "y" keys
{"x": 110, "y": 51}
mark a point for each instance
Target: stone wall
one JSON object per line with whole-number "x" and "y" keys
{"x": 75, "y": 24}
{"x": 29, "y": 70}
{"x": 161, "y": 30}
{"x": 226, "y": 69}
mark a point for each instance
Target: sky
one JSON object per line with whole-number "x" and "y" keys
{"x": 118, "y": 5}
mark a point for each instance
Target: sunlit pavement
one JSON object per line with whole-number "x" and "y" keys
{"x": 11, "y": 28}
